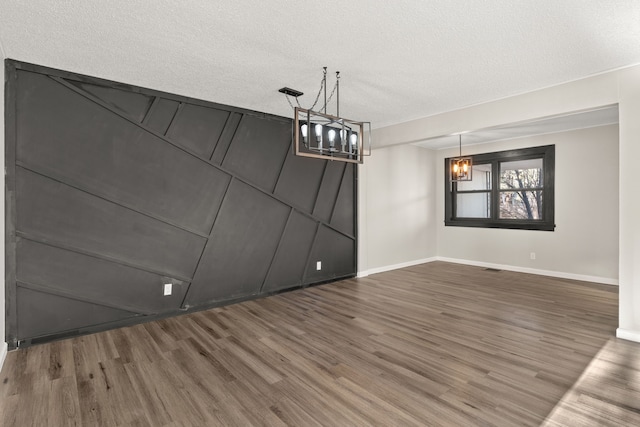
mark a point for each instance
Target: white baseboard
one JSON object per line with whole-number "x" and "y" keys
{"x": 3, "y": 354}
{"x": 559, "y": 274}
{"x": 628, "y": 335}
{"x": 365, "y": 273}
{"x": 551, "y": 273}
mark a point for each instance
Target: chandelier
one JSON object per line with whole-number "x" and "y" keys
{"x": 460, "y": 167}
{"x": 321, "y": 135}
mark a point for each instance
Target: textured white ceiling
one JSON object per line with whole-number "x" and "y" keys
{"x": 545, "y": 125}
{"x": 399, "y": 60}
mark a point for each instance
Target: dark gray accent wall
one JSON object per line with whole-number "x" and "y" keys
{"x": 287, "y": 268}
{"x": 113, "y": 191}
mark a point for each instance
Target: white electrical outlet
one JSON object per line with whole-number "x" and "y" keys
{"x": 319, "y": 265}
{"x": 533, "y": 255}
{"x": 167, "y": 289}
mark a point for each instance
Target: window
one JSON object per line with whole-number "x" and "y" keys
{"x": 509, "y": 189}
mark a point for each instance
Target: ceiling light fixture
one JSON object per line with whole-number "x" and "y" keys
{"x": 321, "y": 135}
{"x": 460, "y": 167}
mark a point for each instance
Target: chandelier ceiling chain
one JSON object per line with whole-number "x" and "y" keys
{"x": 326, "y": 102}
{"x": 323, "y": 83}
{"x": 289, "y": 101}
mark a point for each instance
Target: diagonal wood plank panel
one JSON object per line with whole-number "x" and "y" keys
{"x": 149, "y": 188}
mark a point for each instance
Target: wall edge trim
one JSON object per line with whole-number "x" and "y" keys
{"x": 3, "y": 354}
{"x": 551, "y": 273}
{"x": 628, "y": 335}
{"x": 376, "y": 270}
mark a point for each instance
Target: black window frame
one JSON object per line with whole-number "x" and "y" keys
{"x": 547, "y": 223}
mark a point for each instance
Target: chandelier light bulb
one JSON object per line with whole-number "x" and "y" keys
{"x": 343, "y": 139}
{"x": 332, "y": 136}
{"x": 304, "y": 129}
{"x": 354, "y": 139}
{"x": 319, "y": 135}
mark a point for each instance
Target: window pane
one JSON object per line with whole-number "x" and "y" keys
{"x": 521, "y": 174}
{"x": 481, "y": 175}
{"x": 473, "y": 205}
{"x": 521, "y": 205}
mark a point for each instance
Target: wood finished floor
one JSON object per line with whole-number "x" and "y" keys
{"x": 434, "y": 344}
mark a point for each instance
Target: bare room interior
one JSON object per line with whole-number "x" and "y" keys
{"x": 333, "y": 213}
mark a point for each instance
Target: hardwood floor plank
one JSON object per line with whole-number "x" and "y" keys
{"x": 9, "y": 406}
{"x": 155, "y": 407}
{"x": 292, "y": 414}
{"x": 94, "y": 409}
{"x": 60, "y": 360}
{"x": 435, "y": 344}
{"x": 64, "y": 408}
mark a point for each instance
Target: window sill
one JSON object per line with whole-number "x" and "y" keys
{"x": 511, "y": 225}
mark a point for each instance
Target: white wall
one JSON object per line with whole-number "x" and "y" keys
{"x": 585, "y": 241}
{"x": 620, "y": 87}
{"x": 397, "y": 210}
{"x": 629, "y": 299}
{"x": 3, "y": 345}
